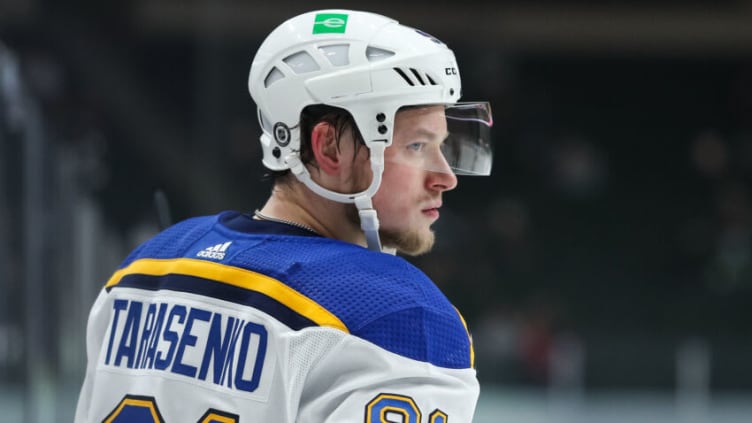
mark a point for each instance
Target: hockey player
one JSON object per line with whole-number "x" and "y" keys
{"x": 300, "y": 312}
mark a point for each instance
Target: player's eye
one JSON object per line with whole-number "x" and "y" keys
{"x": 416, "y": 146}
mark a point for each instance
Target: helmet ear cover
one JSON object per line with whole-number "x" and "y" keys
{"x": 340, "y": 119}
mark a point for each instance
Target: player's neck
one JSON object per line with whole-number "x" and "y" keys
{"x": 296, "y": 203}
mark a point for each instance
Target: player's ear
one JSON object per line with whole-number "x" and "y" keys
{"x": 325, "y": 148}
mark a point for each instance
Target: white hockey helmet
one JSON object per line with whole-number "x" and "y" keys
{"x": 371, "y": 66}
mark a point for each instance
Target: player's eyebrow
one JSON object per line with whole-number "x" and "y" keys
{"x": 431, "y": 135}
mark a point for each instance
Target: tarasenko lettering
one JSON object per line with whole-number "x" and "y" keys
{"x": 188, "y": 341}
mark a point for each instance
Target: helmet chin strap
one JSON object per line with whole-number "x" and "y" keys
{"x": 369, "y": 221}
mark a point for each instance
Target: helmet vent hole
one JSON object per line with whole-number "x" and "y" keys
{"x": 338, "y": 54}
{"x": 404, "y": 76}
{"x": 273, "y": 76}
{"x": 301, "y": 62}
{"x": 374, "y": 54}
{"x": 417, "y": 76}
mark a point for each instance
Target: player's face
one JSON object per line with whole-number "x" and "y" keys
{"x": 409, "y": 198}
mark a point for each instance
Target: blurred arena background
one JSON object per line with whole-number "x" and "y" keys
{"x": 605, "y": 268}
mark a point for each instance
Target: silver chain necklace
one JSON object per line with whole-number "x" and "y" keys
{"x": 261, "y": 216}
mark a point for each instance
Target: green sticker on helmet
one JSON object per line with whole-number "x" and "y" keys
{"x": 330, "y": 23}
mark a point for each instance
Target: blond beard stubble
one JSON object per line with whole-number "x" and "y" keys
{"x": 411, "y": 242}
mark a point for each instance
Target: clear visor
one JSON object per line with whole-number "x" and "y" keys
{"x": 448, "y": 138}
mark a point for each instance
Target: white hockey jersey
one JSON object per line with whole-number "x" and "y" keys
{"x": 229, "y": 319}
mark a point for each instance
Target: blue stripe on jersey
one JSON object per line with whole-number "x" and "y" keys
{"x": 221, "y": 291}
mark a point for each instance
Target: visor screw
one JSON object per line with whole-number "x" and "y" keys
{"x": 382, "y": 129}
{"x": 276, "y": 152}
{"x": 380, "y": 117}
{"x": 451, "y": 91}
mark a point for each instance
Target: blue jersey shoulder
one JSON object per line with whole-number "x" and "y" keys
{"x": 173, "y": 241}
{"x": 380, "y": 298}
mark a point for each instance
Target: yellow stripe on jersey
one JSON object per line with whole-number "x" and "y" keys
{"x": 469, "y": 337}
{"x": 213, "y": 417}
{"x": 234, "y": 276}
{"x": 135, "y": 402}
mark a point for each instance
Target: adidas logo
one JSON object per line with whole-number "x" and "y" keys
{"x": 216, "y": 252}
